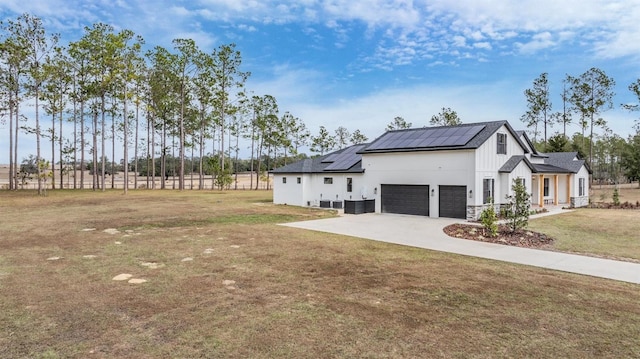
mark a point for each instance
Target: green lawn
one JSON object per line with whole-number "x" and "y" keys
{"x": 602, "y": 232}
{"x": 229, "y": 282}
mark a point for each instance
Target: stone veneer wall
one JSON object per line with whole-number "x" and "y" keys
{"x": 473, "y": 212}
{"x": 579, "y": 201}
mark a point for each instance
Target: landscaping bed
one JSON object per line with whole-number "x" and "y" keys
{"x": 519, "y": 238}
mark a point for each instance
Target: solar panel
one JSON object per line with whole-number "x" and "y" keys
{"x": 330, "y": 158}
{"x": 346, "y": 159}
{"x": 426, "y": 138}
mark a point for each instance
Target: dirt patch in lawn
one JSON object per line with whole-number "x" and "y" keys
{"x": 519, "y": 238}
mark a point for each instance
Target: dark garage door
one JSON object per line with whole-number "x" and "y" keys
{"x": 453, "y": 201}
{"x": 405, "y": 199}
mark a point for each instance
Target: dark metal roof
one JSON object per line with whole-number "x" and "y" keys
{"x": 465, "y": 136}
{"x": 346, "y": 160}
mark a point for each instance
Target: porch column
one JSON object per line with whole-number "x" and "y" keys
{"x": 541, "y": 191}
{"x": 555, "y": 190}
{"x": 569, "y": 189}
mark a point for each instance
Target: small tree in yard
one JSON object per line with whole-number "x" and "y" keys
{"x": 616, "y": 197}
{"x": 489, "y": 220}
{"x": 518, "y": 205}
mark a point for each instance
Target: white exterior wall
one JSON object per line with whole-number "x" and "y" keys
{"x": 290, "y": 193}
{"x": 312, "y": 188}
{"x": 488, "y": 162}
{"x": 562, "y": 188}
{"x": 433, "y": 168}
{"x": 521, "y": 171}
{"x": 576, "y": 200}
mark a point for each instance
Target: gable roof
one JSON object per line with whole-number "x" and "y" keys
{"x": 465, "y": 136}
{"x": 523, "y": 135}
{"x": 346, "y": 160}
{"x": 513, "y": 162}
{"x": 559, "y": 162}
{"x": 567, "y": 160}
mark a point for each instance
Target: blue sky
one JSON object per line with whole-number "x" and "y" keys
{"x": 359, "y": 64}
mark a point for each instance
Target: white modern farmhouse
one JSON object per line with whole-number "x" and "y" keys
{"x": 450, "y": 171}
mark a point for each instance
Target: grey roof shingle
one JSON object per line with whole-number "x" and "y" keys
{"x": 513, "y": 162}
{"x": 545, "y": 168}
{"x": 567, "y": 160}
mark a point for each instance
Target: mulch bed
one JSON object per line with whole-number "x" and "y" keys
{"x": 520, "y": 238}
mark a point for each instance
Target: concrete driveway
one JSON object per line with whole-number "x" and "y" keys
{"x": 422, "y": 232}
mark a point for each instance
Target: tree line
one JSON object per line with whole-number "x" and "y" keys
{"x": 584, "y": 100}
{"x": 165, "y": 103}
{"x": 183, "y": 111}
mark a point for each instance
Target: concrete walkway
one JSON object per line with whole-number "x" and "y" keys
{"x": 421, "y": 232}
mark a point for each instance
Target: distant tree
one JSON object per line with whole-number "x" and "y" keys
{"x": 398, "y": 123}
{"x": 342, "y": 137}
{"x": 564, "y": 117}
{"x": 630, "y": 161}
{"x": 538, "y": 106}
{"x": 518, "y": 206}
{"x": 447, "y": 117}
{"x": 28, "y": 169}
{"x": 357, "y": 137}
{"x": 635, "y": 88}
{"x": 558, "y": 143}
{"x": 592, "y": 93}
{"x": 301, "y": 135}
{"x": 579, "y": 143}
{"x": 323, "y": 142}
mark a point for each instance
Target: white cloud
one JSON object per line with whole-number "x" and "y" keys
{"x": 459, "y": 41}
{"x": 538, "y": 42}
{"x": 482, "y": 45}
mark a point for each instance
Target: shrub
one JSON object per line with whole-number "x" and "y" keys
{"x": 616, "y": 197}
{"x": 489, "y": 220}
{"x": 518, "y": 206}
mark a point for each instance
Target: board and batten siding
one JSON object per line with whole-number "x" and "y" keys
{"x": 576, "y": 199}
{"x": 488, "y": 162}
{"x": 521, "y": 171}
{"x": 433, "y": 168}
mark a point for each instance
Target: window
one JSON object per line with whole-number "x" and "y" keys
{"x": 546, "y": 187}
{"x": 522, "y": 181}
{"x": 299, "y": 180}
{"x": 328, "y": 180}
{"x": 487, "y": 190}
{"x": 284, "y": 179}
{"x": 581, "y": 189}
{"x": 502, "y": 143}
{"x": 349, "y": 184}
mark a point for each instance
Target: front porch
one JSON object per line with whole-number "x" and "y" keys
{"x": 551, "y": 189}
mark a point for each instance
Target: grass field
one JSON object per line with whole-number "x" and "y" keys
{"x": 609, "y": 233}
{"x": 627, "y": 193}
{"x": 224, "y": 281}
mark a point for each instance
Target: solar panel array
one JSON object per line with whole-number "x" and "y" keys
{"x": 330, "y": 158}
{"x": 345, "y": 159}
{"x": 426, "y": 138}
